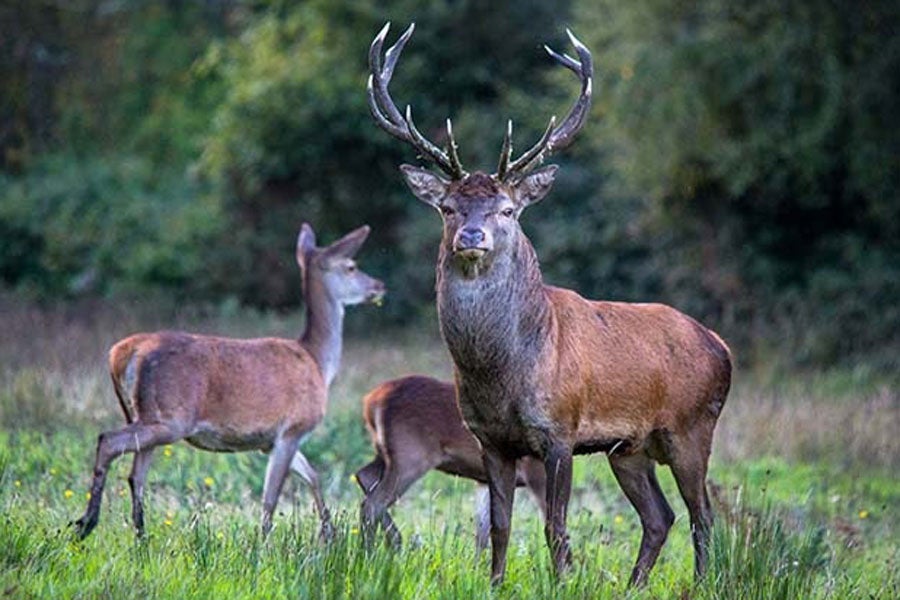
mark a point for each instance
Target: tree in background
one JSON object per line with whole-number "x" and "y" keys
{"x": 766, "y": 138}
{"x": 293, "y": 138}
{"x": 103, "y": 113}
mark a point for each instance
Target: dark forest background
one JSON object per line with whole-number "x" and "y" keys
{"x": 741, "y": 161}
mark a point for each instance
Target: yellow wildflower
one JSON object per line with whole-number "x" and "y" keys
{"x": 864, "y": 514}
{"x": 618, "y": 519}
{"x": 87, "y": 495}
{"x": 208, "y": 481}
{"x": 167, "y": 522}
{"x": 68, "y": 494}
{"x": 354, "y": 531}
{"x": 52, "y": 471}
{"x": 17, "y": 483}
{"x": 167, "y": 452}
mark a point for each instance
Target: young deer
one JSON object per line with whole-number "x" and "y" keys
{"x": 543, "y": 372}
{"x": 415, "y": 426}
{"x": 232, "y": 395}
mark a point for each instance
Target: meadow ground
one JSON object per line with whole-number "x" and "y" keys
{"x": 804, "y": 477}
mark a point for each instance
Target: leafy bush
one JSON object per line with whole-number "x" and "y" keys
{"x": 103, "y": 225}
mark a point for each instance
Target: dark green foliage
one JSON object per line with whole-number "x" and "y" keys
{"x": 104, "y": 224}
{"x": 293, "y": 139}
{"x": 766, "y": 138}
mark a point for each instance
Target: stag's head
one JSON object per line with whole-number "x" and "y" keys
{"x": 480, "y": 211}
{"x": 331, "y": 270}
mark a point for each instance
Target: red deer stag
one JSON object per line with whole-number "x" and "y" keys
{"x": 543, "y": 372}
{"x": 231, "y": 395}
{"x": 415, "y": 426}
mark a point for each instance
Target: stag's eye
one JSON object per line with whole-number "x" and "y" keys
{"x": 508, "y": 212}
{"x": 447, "y": 211}
{"x": 350, "y": 268}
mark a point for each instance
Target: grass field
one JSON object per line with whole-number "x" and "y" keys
{"x": 804, "y": 479}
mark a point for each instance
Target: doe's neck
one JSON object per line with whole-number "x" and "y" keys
{"x": 324, "y": 333}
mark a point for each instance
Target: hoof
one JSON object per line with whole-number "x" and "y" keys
{"x": 83, "y": 527}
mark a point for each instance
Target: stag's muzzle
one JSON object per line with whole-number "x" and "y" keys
{"x": 471, "y": 243}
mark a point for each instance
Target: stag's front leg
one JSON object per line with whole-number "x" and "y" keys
{"x": 501, "y": 473}
{"x": 558, "y": 464}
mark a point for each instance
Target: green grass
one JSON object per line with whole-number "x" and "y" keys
{"x": 802, "y": 511}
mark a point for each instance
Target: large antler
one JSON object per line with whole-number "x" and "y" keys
{"x": 554, "y": 138}
{"x": 388, "y": 116}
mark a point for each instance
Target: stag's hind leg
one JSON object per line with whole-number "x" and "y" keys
{"x": 689, "y": 465}
{"x": 138, "y": 438}
{"x": 636, "y": 475}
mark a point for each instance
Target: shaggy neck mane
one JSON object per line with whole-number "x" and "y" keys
{"x": 497, "y": 318}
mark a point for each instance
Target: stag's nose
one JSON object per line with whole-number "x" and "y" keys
{"x": 469, "y": 237}
{"x": 471, "y": 243}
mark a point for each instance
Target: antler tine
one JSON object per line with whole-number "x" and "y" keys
{"x": 536, "y": 153}
{"x": 380, "y": 118}
{"x": 438, "y": 156}
{"x": 453, "y": 151}
{"x": 381, "y": 77}
{"x": 584, "y": 68}
{"x": 556, "y": 138}
{"x": 389, "y": 117}
{"x": 393, "y": 54}
{"x": 505, "y": 152}
{"x": 375, "y": 49}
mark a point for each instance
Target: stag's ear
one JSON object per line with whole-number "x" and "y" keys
{"x": 426, "y": 186}
{"x": 350, "y": 244}
{"x": 533, "y": 187}
{"x": 306, "y": 244}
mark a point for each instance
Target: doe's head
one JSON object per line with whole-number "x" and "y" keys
{"x": 331, "y": 269}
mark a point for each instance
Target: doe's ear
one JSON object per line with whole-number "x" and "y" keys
{"x": 306, "y": 243}
{"x": 427, "y": 186}
{"x": 534, "y": 186}
{"x": 350, "y": 244}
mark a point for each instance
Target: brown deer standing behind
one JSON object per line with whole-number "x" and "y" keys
{"x": 415, "y": 427}
{"x": 543, "y": 372}
{"x": 232, "y": 395}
